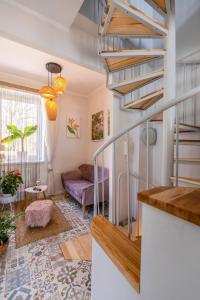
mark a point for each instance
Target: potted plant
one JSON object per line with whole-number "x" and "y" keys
{"x": 16, "y": 133}
{"x": 6, "y": 226}
{"x": 9, "y": 184}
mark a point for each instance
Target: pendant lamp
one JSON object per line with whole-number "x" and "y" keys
{"x": 49, "y": 93}
{"x": 60, "y": 85}
{"x": 51, "y": 109}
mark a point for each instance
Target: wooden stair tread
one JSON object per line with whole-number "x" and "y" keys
{"x": 186, "y": 180}
{"x": 157, "y": 118}
{"x": 159, "y": 5}
{"x": 183, "y": 128}
{"x": 125, "y": 254}
{"x": 124, "y": 19}
{"x": 189, "y": 125}
{"x": 185, "y": 159}
{"x": 182, "y": 202}
{"x": 126, "y": 86}
{"x": 146, "y": 101}
{"x": 188, "y": 142}
{"x": 119, "y": 60}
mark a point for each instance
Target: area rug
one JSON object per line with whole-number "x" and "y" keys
{"x": 79, "y": 248}
{"x": 25, "y": 235}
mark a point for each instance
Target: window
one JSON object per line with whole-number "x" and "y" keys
{"x": 22, "y": 109}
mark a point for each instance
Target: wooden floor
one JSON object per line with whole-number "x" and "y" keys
{"x": 79, "y": 248}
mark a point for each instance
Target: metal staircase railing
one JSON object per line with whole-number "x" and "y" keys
{"x": 162, "y": 107}
{"x": 141, "y": 75}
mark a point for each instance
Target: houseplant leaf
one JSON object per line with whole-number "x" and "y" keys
{"x": 29, "y": 130}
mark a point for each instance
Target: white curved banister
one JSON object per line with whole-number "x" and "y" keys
{"x": 162, "y": 107}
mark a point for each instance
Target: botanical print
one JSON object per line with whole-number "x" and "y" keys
{"x": 73, "y": 127}
{"x": 98, "y": 126}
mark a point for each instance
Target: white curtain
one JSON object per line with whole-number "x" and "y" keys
{"x": 22, "y": 109}
{"x": 50, "y": 143}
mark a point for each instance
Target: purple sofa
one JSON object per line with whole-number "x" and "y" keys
{"x": 80, "y": 184}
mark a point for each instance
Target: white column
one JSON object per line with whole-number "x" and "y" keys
{"x": 170, "y": 93}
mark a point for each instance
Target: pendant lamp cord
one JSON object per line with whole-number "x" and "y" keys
{"x": 48, "y": 78}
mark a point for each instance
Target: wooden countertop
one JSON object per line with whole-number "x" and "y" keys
{"x": 182, "y": 202}
{"x": 124, "y": 253}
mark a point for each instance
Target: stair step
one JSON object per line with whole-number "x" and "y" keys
{"x": 188, "y": 160}
{"x": 186, "y": 180}
{"x": 126, "y": 86}
{"x": 119, "y": 60}
{"x": 146, "y": 101}
{"x": 123, "y": 19}
{"x": 124, "y": 253}
{"x": 159, "y": 5}
{"x": 157, "y": 118}
{"x": 183, "y": 127}
{"x": 188, "y": 142}
{"x": 182, "y": 202}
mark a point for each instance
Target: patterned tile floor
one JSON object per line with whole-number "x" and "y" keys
{"x": 38, "y": 270}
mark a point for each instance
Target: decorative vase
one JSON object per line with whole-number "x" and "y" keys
{"x": 4, "y": 246}
{"x": 7, "y": 198}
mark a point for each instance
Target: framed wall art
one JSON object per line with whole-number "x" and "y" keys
{"x": 73, "y": 126}
{"x": 98, "y": 126}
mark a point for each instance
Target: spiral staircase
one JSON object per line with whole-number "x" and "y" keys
{"x": 143, "y": 79}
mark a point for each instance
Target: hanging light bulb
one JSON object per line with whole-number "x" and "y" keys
{"x": 60, "y": 85}
{"x": 51, "y": 109}
{"x": 47, "y": 92}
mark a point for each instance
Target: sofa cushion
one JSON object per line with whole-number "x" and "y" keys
{"x": 87, "y": 172}
{"x": 77, "y": 186}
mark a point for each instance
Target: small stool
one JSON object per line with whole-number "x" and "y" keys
{"x": 39, "y": 213}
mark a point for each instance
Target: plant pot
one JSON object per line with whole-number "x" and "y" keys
{"x": 4, "y": 245}
{"x": 7, "y": 198}
{"x": 22, "y": 156}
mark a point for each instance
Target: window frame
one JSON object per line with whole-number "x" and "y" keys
{"x": 40, "y": 154}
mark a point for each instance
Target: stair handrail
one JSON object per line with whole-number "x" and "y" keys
{"x": 165, "y": 105}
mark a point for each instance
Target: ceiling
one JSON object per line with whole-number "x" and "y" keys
{"x": 55, "y": 12}
{"x": 25, "y": 62}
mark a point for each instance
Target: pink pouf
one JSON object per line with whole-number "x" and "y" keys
{"x": 39, "y": 213}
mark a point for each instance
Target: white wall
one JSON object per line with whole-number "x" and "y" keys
{"x": 170, "y": 257}
{"x": 188, "y": 38}
{"x": 108, "y": 283}
{"x": 69, "y": 152}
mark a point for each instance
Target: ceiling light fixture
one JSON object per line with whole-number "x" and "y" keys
{"x": 50, "y": 92}
{"x": 51, "y": 109}
{"x": 60, "y": 85}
